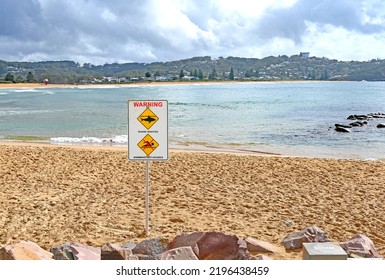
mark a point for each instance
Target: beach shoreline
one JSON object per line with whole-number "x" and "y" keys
{"x": 93, "y": 195}
{"x": 145, "y": 83}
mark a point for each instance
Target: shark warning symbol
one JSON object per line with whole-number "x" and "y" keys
{"x": 148, "y": 118}
{"x": 148, "y": 144}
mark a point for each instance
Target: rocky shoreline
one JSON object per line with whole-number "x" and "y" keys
{"x": 194, "y": 246}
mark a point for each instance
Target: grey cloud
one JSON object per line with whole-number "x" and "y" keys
{"x": 291, "y": 22}
{"x": 100, "y": 31}
{"x": 20, "y": 19}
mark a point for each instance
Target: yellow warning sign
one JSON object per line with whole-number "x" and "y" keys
{"x": 148, "y": 144}
{"x": 148, "y": 118}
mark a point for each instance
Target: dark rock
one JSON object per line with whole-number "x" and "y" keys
{"x": 381, "y": 125}
{"x": 342, "y": 125}
{"x": 360, "y": 245}
{"x": 76, "y": 251}
{"x": 310, "y": 234}
{"x": 351, "y": 117}
{"x": 341, "y": 129}
{"x": 63, "y": 252}
{"x": 151, "y": 247}
{"x": 187, "y": 240}
{"x": 112, "y": 251}
{"x": 357, "y": 123}
{"x": 361, "y": 117}
{"x": 213, "y": 246}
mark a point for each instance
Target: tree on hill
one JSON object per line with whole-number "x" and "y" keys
{"x": 231, "y": 75}
{"x": 181, "y": 74}
{"x": 213, "y": 75}
{"x": 30, "y": 77}
{"x": 9, "y": 77}
{"x": 200, "y": 74}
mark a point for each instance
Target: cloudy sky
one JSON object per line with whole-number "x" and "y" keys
{"x": 101, "y": 31}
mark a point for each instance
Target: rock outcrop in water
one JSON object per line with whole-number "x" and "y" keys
{"x": 360, "y": 121}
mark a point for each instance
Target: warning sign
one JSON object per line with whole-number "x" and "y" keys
{"x": 148, "y": 144}
{"x": 148, "y": 130}
{"x": 148, "y": 118}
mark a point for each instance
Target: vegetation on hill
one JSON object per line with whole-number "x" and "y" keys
{"x": 202, "y": 68}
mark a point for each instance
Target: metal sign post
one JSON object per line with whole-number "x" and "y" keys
{"x": 147, "y": 136}
{"x": 147, "y": 197}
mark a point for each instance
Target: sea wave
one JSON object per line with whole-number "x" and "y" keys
{"x": 48, "y": 92}
{"x": 23, "y": 112}
{"x": 117, "y": 140}
{"x": 26, "y": 90}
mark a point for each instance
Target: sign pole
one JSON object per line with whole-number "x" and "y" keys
{"x": 147, "y": 196}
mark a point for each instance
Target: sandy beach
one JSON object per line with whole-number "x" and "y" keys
{"x": 134, "y": 84}
{"x": 94, "y": 195}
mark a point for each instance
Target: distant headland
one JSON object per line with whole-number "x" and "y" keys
{"x": 299, "y": 67}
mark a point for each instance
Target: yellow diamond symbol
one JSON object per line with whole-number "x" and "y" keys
{"x": 148, "y": 118}
{"x": 148, "y": 144}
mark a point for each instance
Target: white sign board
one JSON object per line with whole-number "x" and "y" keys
{"x": 147, "y": 130}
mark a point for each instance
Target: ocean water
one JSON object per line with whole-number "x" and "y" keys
{"x": 285, "y": 118}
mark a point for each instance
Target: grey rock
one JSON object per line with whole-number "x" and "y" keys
{"x": 63, "y": 252}
{"x": 310, "y": 234}
{"x": 85, "y": 252}
{"x": 360, "y": 245}
{"x": 151, "y": 247}
{"x": 181, "y": 253}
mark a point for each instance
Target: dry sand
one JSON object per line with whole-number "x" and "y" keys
{"x": 52, "y": 194}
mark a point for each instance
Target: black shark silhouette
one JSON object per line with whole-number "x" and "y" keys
{"x": 148, "y": 119}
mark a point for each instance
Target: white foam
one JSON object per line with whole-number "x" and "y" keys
{"x": 120, "y": 139}
{"x": 48, "y": 92}
{"x": 26, "y": 90}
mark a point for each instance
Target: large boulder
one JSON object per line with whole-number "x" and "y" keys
{"x": 112, "y": 251}
{"x": 258, "y": 246}
{"x": 213, "y": 246}
{"x": 24, "y": 250}
{"x": 150, "y": 249}
{"x": 310, "y": 234}
{"x": 76, "y": 251}
{"x": 360, "y": 245}
{"x": 181, "y": 253}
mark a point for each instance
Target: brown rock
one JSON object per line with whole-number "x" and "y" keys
{"x": 24, "y": 250}
{"x": 187, "y": 240}
{"x": 212, "y": 246}
{"x": 112, "y": 251}
{"x": 258, "y": 246}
